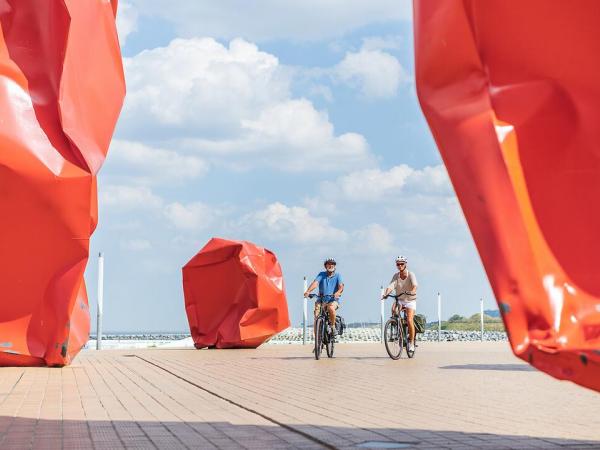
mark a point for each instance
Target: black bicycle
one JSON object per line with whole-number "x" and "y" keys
{"x": 395, "y": 332}
{"x": 323, "y": 330}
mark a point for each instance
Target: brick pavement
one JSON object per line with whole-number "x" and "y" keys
{"x": 452, "y": 395}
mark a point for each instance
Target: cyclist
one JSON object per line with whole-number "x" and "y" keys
{"x": 405, "y": 285}
{"x": 331, "y": 286}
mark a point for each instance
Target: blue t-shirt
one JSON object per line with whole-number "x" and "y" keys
{"x": 328, "y": 285}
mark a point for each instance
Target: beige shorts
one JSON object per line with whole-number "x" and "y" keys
{"x": 335, "y": 304}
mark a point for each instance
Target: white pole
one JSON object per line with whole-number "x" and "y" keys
{"x": 439, "y": 317}
{"x": 481, "y": 312}
{"x": 381, "y": 313}
{"x": 304, "y": 314}
{"x": 100, "y": 301}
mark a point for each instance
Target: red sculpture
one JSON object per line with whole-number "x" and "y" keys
{"x": 234, "y": 295}
{"x": 61, "y": 90}
{"x": 511, "y": 93}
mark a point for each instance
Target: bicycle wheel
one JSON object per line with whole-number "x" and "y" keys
{"x": 319, "y": 329}
{"x": 329, "y": 345}
{"x": 392, "y": 337}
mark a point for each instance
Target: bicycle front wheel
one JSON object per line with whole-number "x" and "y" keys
{"x": 393, "y": 339}
{"x": 329, "y": 346}
{"x": 319, "y": 332}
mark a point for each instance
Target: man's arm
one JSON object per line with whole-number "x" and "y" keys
{"x": 311, "y": 287}
{"x": 338, "y": 293}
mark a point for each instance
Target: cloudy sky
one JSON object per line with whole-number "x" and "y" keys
{"x": 291, "y": 124}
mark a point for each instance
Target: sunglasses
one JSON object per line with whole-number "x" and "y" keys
{"x": 400, "y": 264}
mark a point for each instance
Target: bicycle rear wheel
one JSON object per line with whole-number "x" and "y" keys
{"x": 393, "y": 339}
{"x": 319, "y": 332}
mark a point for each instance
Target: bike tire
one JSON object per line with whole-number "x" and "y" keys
{"x": 329, "y": 346}
{"x": 393, "y": 339}
{"x": 319, "y": 329}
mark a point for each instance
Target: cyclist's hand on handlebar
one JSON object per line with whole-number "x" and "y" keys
{"x": 337, "y": 295}
{"x": 306, "y": 294}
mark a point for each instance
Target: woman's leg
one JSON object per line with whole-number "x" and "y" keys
{"x": 410, "y": 316}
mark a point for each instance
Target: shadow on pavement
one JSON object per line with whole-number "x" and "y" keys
{"x": 21, "y": 433}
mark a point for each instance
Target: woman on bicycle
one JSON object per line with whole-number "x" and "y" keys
{"x": 405, "y": 285}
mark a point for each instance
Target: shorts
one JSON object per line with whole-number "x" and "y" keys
{"x": 335, "y": 304}
{"x": 411, "y": 304}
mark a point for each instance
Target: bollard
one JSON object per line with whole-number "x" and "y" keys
{"x": 481, "y": 312}
{"x": 304, "y": 313}
{"x": 439, "y": 317}
{"x": 381, "y": 312}
{"x": 100, "y": 301}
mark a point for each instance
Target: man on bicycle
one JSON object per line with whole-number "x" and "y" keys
{"x": 331, "y": 287}
{"x": 405, "y": 285}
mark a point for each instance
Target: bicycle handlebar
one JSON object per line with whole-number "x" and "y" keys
{"x": 321, "y": 296}
{"x": 399, "y": 295}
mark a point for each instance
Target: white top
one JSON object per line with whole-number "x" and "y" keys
{"x": 402, "y": 285}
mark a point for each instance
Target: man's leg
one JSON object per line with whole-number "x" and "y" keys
{"x": 331, "y": 307}
{"x": 317, "y": 312}
{"x": 410, "y": 316}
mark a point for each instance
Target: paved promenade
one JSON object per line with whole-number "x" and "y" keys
{"x": 452, "y": 395}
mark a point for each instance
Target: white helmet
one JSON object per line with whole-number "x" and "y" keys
{"x": 402, "y": 259}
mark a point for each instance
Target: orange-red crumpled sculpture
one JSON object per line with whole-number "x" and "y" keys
{"x": 512, "y": 94}
{"x": 234, "y": 295}
{"x": 61, "y": 91}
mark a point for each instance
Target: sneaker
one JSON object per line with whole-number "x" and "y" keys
{"x": 411, "y": 347}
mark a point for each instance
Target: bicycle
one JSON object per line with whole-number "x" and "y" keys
{"x": 395, "y": 332}
{"x": 323, "y": 330}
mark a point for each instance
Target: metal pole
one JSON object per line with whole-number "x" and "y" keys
{"x": 481, "y": 313}
{"x": 304, "y": 314}
{"x": 100, "y": 301}
{"x": 439, "y": 317}
{"x": 382, "y": 308}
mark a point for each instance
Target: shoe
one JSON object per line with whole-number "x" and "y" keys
{"x": 411, "y": 347}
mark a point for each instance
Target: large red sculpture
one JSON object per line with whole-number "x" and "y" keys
{"x": 61, "y": 90}
{"x": 234, "y": 295}
{"x": 512, "y": 95}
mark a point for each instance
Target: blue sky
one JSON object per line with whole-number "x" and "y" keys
{"x": 294, "y": 125}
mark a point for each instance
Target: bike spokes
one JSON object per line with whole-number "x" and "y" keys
{"x": 393, "y": 339}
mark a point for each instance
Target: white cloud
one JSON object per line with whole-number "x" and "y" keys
{"x": 294, "y": 224}
{"x": 380, "y": 185}
{"x": 300, "y": 20}
{"x": 136, "y": 245}
{"x": 124, "y": 197}
{"x": 231, "y": 104}
{"x": 201, "y": 86}
{"x": 153, "y": 165}
{"x": 375, "y": 73}
{"x": 127, "y": 19}
{"x": 373, "y": 238}
{"x": 191, "y": 217}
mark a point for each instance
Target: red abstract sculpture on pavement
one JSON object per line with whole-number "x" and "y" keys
{"x": 234, "y": 295}
{"x": 61, "y": 91}
{"x": 512, "y": 95}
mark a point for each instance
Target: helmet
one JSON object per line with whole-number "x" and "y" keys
{"x": 329, "y": 261}
{"x": 402, "y": 259}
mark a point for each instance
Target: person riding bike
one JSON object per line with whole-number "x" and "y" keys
{"x": 405, "y": 285}
{"x": 331, "y": 287}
